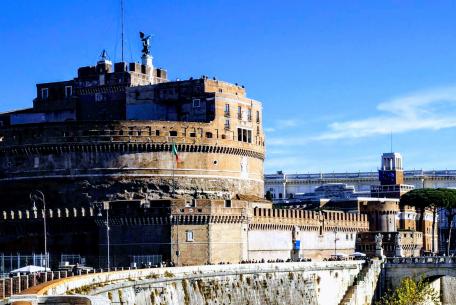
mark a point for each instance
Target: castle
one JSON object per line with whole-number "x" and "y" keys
{"x": 172, "y": 168}
{"x": 133, "y": 165}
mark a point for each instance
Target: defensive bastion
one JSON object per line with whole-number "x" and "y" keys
{"x": 283, "y": 283}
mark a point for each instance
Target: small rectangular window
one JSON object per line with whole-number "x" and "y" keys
{"x": 189, "y": 235}
{"x": 249, "y": 136}
{"x": 239, "y": 112}
{"x": 36, "y": 162}
{"x": 157, "y": 132}
{"x": 258, "y": 117}
{"x": 68, "y": 91}
{"x": 173, "y": 133}
{"x": 193, "y": 134}
{"x": 227, "y": 109}
{"x": 227, "y": 124}
{"x": 239, "y": 134}
{"x": 196, "y": 103}
{"x": 227, "y": 203}
{"x": 44, "y": 93}
{"x": 249, "y": 115}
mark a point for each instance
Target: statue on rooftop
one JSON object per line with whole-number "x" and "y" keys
{"x": 146, "y": 43}
{"x": 104, "y": 55}
{"x": 378, "y": 241}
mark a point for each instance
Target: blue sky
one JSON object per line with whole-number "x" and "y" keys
{"x": 335, "y": 77}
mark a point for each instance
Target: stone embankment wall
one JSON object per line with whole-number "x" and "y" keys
{"x": 363, "y": 290}
{"x": 285, "y": 283}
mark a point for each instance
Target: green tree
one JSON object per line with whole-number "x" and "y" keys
{"x": 411, "y": 292}
{"x": 448, "y": 202}
{"x": 268, "y": 196}
{"x": 423, "y": 199}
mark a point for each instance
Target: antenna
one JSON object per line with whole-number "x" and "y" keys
{"x": 122, "y": 26}
{"x": 391, "y": 141}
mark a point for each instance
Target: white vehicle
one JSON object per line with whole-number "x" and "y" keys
{"x": 34, "y": 299}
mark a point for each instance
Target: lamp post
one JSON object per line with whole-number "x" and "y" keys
{"x": 449, "y": 237}
{"x": 106, "y": 207}
{"x": 34, "y": 196}
{"x": 335, "y": 242}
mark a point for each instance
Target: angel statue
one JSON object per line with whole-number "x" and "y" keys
{"x": 146, "y": 43}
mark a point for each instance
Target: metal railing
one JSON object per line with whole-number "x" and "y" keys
{"x": 421, "y": 260}
{"x": 16, "y": 284}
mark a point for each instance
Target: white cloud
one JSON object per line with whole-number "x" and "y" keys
{"x": 432, "y": 109}
{"x": 289, "y": 123}
{"x": 282, "y": 124}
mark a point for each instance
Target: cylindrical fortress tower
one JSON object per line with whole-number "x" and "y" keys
{"x": 126, "y": 160}
{"x": 61, "y": 148}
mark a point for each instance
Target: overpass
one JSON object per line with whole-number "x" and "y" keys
{"x": 313, "y": 283}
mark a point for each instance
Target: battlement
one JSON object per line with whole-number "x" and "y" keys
{"x": 327, "y": 221}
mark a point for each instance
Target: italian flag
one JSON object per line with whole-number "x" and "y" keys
{"x": 174, "y": 152}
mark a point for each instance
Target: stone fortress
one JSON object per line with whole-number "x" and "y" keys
{"x": 163, "y": 168}
{"x": 394, "y": 229}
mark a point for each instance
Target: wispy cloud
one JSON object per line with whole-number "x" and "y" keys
{"x": 432, "y": 109}
{"x": 282, "y": 124}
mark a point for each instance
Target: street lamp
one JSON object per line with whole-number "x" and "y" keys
{"x": 335, "y": 242}
{"x": 106, "y": 207}
{"x": 34, "y": 196}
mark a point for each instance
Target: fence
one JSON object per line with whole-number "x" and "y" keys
{"x": 16, "y": 284}
{"x": 11, "y": 262}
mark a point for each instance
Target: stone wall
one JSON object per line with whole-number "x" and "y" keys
{"x": 251, "y": 284}
{"x": 74, "y": 163}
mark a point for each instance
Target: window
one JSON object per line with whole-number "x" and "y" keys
{"x": 249, "y": 115}
{"x": 258, "y": 117}
{"x": 36, "y": 162}
{"x": 98, "y": 97}
{"x": 68, "y": 91}
{"x": 193, "y": 134}
{"x": 173, "y": 133}
{"x": 227, "y": 109}
{"x": 239, "y": 112}
{"x": 209, "y": 135}
{"x": 189, "y": 235}
{"x": 227, "y": 124}
{"x": 196, "y": 103}
{"x": 157, "y": 132}
{"x": 244, "y": 135}
{"x": 44, "y": 93}
{"x": 227, "y": 203}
